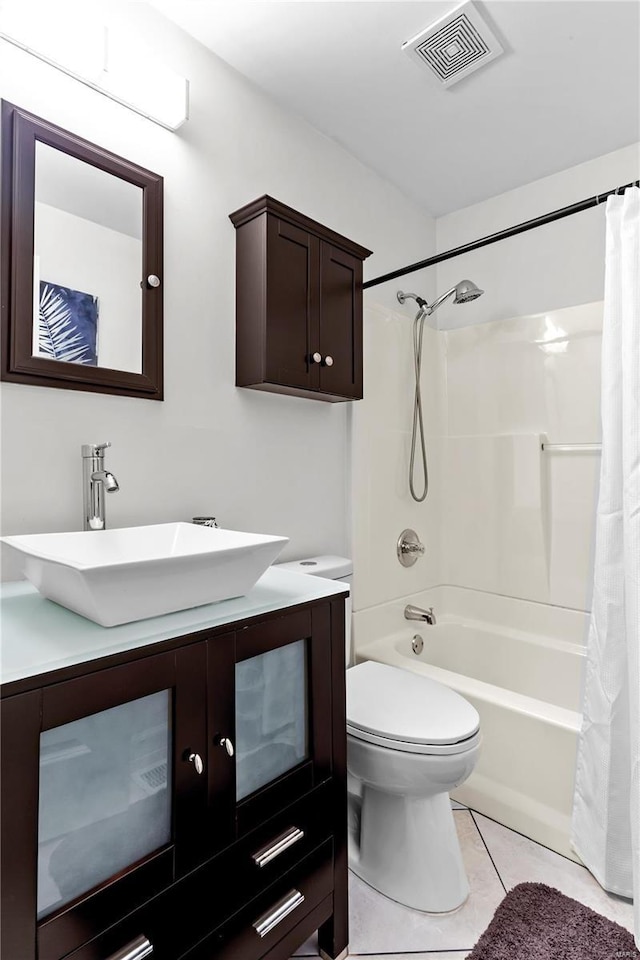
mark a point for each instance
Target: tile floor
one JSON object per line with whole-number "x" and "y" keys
{"x": 496, "y": 859}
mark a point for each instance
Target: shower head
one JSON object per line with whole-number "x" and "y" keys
{"x": 463, "y": 292}
{"x": 466, "y": 290}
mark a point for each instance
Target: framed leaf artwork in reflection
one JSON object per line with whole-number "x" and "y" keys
{"x": 67, "y": 324}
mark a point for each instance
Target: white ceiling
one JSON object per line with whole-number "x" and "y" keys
{"x": 567, "y": 88}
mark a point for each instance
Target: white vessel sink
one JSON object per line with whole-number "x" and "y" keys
{"x": 116, "y": 576}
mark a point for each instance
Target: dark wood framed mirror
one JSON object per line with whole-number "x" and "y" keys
{"x": 82, "y": 233}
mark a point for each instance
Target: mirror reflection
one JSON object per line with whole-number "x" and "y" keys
{"x": 88, "y": 264}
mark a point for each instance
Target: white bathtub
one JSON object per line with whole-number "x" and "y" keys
{"x": 526, "y": 688}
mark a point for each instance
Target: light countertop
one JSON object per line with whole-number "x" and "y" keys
{"x": 39, "y": 636}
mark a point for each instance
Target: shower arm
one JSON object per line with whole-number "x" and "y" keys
{"x": 428, "y": 308}
{"x": 432, "y": 307}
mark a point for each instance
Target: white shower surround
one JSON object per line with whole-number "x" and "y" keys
{"x": 520, "y": 665}
{"x": 506, "y": 523}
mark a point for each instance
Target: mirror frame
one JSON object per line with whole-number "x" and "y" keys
{"x": 20, "y": 132}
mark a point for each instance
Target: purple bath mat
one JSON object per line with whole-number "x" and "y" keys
{"x": 536, "y": 922}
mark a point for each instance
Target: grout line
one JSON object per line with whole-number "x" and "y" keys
{"x": 409, "y": 953}
{"x": 525, "y": 837}
{"x": 488, "y": 851}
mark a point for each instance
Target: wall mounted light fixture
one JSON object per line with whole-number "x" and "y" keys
{"x": 86, "y": 54}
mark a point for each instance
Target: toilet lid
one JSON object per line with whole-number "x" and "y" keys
{"x": 405, "y": 706}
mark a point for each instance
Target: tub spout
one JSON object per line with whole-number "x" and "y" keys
{"x": 417, "y": 613}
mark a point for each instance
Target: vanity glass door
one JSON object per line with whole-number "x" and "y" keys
{"x": 271, "y": 716}
{"x": 104, "y": 796}
{"x": 277, "y": 715}
{"x": 118, "y": 792}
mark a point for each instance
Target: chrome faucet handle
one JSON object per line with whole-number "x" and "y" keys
{"x": 95, "y": 449}
{"x": 413, "y": 548}
{"x": 409, "y": 548}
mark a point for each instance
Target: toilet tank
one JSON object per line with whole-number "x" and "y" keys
{"x": 332, "y": 568}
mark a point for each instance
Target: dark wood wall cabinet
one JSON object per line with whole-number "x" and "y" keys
{"x": 181, "y": 800}
{"x": 298, "y": 304}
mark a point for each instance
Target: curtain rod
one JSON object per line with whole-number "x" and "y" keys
{"x": 500, "y": 235}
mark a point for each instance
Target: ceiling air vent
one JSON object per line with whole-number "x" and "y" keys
{"x": 454, "y": 46}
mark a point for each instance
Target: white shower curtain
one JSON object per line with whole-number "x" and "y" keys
{"x": 606, "y": 813}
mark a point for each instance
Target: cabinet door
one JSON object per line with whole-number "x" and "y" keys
{"x": 270, "y": 698}
{"x": 117, "y": 806}
{"x": 340, "y": 322}
{"x": 282, "y": 712}
{"x": 292, "y": 305}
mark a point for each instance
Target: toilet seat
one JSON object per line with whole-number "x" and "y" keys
{"x": 407, "y": 746}
{"x": 406, "y": 711}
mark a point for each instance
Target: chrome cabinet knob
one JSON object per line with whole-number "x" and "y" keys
{"x": 328, "y": 361}
{"x": 153, "y": 281}
{"x": 316, "y": 357}
{"x": 227, "y": 744}
{"x": 196, "y": 760}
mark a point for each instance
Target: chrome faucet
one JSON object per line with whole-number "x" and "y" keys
{"x": 417, "y": 613}
{"x": 96, "y": 481}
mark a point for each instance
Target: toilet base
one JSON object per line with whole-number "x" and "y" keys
{"x": 408, "y": 849}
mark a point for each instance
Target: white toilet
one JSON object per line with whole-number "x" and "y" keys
{"x": 410, "y": 741}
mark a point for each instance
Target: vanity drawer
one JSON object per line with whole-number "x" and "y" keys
{"x": 172, "y": 925}
{"x": 186, "y": 913}
{"x": 303, "y": 892}
{"x": 267, "y": 852}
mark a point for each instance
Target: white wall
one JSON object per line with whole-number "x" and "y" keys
{"x": 257, "y": 461}
{"x": 558, "y": 265}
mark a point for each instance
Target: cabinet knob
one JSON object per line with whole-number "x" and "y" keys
{"x": 196, "y": 760}
{"x": 227, "y": 744}
{"x": 328, "y": 361}
{"x": 153, "y": 280}
{"x": 316, "y": 357}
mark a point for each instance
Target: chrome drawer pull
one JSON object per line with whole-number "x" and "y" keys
{"x": 277, "y": 846}
{"x": 138, "y": 949}
{"x": 282, "y": 909}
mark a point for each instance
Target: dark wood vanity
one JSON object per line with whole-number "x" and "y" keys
{"x": 298, "y": 304}
{"x": 210, "y": 769}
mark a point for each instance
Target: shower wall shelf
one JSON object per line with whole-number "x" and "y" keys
{"x": 298, "y": 304}
{"x": 571, "y": 447}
